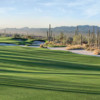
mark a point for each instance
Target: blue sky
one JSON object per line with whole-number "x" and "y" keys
{"x": 40, "y": 13}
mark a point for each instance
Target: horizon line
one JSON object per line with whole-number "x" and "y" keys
{"x": 48, "y": 26}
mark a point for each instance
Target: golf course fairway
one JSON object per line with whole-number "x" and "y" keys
{"x": 40, "y": 74}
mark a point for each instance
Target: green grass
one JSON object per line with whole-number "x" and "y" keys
{"x": 8, "y": 40}
{"x": 15, "y": 41}
{"x": 41, "y": 74}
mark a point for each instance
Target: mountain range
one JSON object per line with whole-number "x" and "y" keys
{"x": 57, "y": 30}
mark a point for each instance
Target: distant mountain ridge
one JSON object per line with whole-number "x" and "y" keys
{"x": 57, "y": 30}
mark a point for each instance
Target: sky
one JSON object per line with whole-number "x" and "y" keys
{"x": 41, "y": 13}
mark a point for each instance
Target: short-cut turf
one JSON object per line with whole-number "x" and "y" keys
{"x": 8, "y": 40}
{"x": 41, "y": 74}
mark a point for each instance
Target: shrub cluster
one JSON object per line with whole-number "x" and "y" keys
{"x": 74, "y": 47}
{"x": 53, "y": 44}
{"x": 97, "y": 52}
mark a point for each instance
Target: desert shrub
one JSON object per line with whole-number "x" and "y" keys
{"x": 74, "y": 47}
{"x": 69, "y": 40}
{"x": 90, "y": 49}
{"x": 16, "y": 36}
{"x": 85, "y": 45}
{"x": 41, "y": 46}
{"x": 53, "y": 44}
{"x": 97, "y": 52}
{"x": 76, "y": 39}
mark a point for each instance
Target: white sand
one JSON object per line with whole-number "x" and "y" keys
{"x": 84, "y": 52}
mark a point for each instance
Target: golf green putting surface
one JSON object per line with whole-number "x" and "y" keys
{"x": 41, "y": 74}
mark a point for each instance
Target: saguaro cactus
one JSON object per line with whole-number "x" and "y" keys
{"x": 49, "y": 33}
{"x": 81, "y": 37}
{"x": 89, "y": 36}
{"x": 93, "y": 36}
{"x": 98, "y": 37}
{"x": 77, "y": 31}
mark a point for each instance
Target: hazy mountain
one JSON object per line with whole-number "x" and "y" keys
{"x": 42, "y": 31}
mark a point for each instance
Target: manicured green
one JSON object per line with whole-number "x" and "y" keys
{"x": 19, "y": 41}
{"x": 8, "y": 40}
{"x": 41, "y": 74}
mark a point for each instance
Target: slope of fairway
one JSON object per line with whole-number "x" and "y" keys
{"x": 42, "y": 74}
